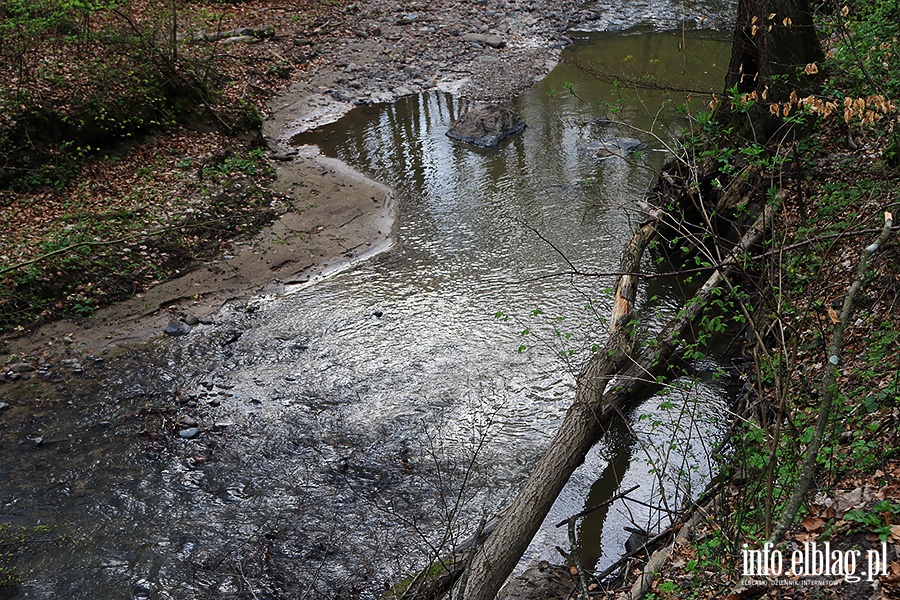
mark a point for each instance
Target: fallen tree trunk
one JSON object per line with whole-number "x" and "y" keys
{"x": 606, "y": 387}
{"x": 259, "y": 33}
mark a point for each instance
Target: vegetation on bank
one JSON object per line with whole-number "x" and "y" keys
{"x": 129, "y": 142}
{"x": 831, "y": 170}
{"x": 92, "y": 219}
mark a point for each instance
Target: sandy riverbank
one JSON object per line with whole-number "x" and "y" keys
{"x": 383, "y": 51}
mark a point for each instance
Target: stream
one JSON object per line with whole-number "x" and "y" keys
{"x": 354, "y": 429}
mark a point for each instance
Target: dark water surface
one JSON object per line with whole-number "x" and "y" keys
{"x": 353, "y": 428}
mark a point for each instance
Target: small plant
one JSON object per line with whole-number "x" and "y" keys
{"x": 877, "y": 520}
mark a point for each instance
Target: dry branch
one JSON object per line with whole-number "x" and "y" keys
{"x": 808, "y": 468}
{"x": 605, "y": 388}
{"x": 260, "y": 33}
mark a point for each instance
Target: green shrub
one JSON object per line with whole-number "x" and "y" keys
{"x": 870, "y": 51}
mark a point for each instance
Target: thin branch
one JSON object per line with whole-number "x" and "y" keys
{"x": 808, "y": 468}
{"x": 687, "y": 271}
{"x": 588, "y": 511}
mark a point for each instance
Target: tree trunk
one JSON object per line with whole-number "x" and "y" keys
{"x": 774, "y": 41}
{"x": 772, "y": 38}
{"x": 596, "y": 405}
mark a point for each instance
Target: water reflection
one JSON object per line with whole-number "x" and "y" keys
{"x": 470, "y": 243}
{"x": 367, "y": 420}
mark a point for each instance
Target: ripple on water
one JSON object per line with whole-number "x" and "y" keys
{"x": 369, "y": 409}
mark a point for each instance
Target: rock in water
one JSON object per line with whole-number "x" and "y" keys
{"x": 486, "y": 125}
{"x": 189, "y": 433}
{"x": 617, "y": 146}
{"x": 175, "y": 328}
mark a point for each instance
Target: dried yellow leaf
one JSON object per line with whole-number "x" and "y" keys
{"x": 812, "y": 69}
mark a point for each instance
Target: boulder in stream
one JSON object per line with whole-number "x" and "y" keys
{"x": 486, "y": 126}
{"x": 189, "y": 433}
{"x": 617, "y": 146}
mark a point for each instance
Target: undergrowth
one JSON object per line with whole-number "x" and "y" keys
{"x": 840, "y": 180}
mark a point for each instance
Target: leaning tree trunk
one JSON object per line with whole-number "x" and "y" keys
{"x": 598, "y": 400}
{"x": 774, "y": 41}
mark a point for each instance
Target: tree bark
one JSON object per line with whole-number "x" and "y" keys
{"x": 771, "y": 38}
{"x": 606, "y": 386}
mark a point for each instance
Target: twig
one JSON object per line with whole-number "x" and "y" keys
{"x": 687, "y": 271}
{"x": 830, "y": 387}
{"x": 629, "y": 555}
{"x": 588, "y": 511}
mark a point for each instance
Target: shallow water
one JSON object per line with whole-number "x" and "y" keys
{"x": 355, "y": 428}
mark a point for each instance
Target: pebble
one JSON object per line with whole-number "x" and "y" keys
{"x": 188, "y": 421}
{"x": 21, "y": 368}
{"x": 189, "y": 433}
{"x": 191, "y": 320}
{"x": 4, "y": 405}
{"x": 175, "y": 328}
{"x": 487, "y": 40}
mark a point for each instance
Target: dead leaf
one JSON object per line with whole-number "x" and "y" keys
{"x": 833, "y": 316}
{"x": 845, "y": 500}
{"x": 895, "y": 533}
{"x": 813, "y": 523}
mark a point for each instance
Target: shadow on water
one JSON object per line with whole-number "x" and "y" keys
{"x": 350, "y": 430}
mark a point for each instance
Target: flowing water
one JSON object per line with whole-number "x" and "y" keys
{"x": 355, "y": 428}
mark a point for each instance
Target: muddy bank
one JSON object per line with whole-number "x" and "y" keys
{"x": 337, "y": 216}
{"x": 484, "y": 49}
